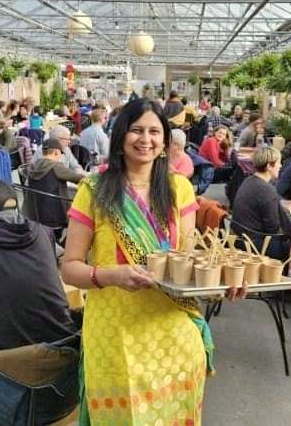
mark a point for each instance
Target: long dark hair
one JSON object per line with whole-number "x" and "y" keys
{"x": 111, "y": 185}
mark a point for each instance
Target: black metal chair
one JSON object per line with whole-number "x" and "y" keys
{"x": 23, "y": 173}
{"x": 83, "y": 156}
{"x": 48, "y": 209}
{"x": 15, "y": 159}
{"x": 273, "y": 300}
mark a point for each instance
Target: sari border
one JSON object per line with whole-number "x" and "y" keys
{"x": 189, "y": 209}
{"x": 81, "y": 217}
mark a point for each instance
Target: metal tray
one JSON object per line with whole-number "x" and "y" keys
{"x": 192, "y": 290}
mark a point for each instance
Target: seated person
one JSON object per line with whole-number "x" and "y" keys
{"x": 49, "y": 174}
{"x": 63, "y": 134}
{"x": 248, "y": 136}
{"x": 216, "y": 148}
{"x": 7, "y": 139}
{"x": 35, "y": 119}
{"x": 180, "y": 162}
{"x": 191, "y": 114}
{"x": 174, "y": 110}
{"x": 22, "y": 114}
{"x": 33, "y": 305}
{"x": 284, "y": 182}
{"x": 244, "y": 124}
{"x": 93, "y": 137}
{"x": 216, "y": 119}
{"x": 261, "y": 137}
{"x": 257, "y": 204}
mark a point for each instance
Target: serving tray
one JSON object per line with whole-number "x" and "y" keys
{"x": 192, "y": 290}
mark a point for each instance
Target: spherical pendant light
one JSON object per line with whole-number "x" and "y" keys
{"x": 141, "y": 44}
{"x": 79, "y": 26}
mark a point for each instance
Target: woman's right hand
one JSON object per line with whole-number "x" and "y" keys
{"x": 132, "y": 278}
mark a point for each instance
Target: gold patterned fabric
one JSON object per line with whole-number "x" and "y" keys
{"x": 144, "y": 359}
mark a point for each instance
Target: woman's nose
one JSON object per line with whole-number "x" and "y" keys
{"x": 146, "y": 136}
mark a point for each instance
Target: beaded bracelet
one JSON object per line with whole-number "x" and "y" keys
{"x": 94, "y": 279}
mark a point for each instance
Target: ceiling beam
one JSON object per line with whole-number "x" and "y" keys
{"x": 182, "y": 1}
{"x": 240, "y": 28}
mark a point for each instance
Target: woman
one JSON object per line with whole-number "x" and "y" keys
{"x": 216, "y": 148}
{"x": 12, "y": 111}
{"x": 7, "y": 139}
{"x": 141, "y": 350}
{"x": 144, "y": 360}
{"x": 75, "y": 116}
{"x": 180, "y": 162}
{"x": 257, "y": 205}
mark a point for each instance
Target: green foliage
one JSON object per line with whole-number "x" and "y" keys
{"x": 262, "y": 71}
{"x": 251, "y": 103}
{"x": 282, "y": 126}
{"x": 44, "y": 100}
{"x": 52, "y": 100}
{"x": 8, "y": 74}
{"x": 18, "y": 64}
{"x": 286, "y": 61}
{"x": 193, "y": 79}
{"x": 44, "y": 70}
{"x": 9, "y": 70}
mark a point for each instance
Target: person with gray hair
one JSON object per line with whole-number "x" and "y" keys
{"x": 180, "y": 162}
{"x": 62, "y": 133}
{"x": 215, "y": 119}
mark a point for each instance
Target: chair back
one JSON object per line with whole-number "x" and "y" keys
{"x": 5, "y": 166}
{"x": 83, "y": 155}
{"x": 15, "y": 159}
{"x": 34, "y": 135}
{"x": 23, "y": 173}
{"x": 85, "y": 121}
{"x": 42, "y": 207}
{"x": 46, "y": 390}
{"x": 69, "y": 124}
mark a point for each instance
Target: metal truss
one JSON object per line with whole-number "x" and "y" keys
{"x": 206, "y": 33}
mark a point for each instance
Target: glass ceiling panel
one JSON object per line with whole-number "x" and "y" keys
{"x": 206, "y": 33}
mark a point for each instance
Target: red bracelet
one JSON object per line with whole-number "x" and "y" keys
{"x": 94, "y": 279}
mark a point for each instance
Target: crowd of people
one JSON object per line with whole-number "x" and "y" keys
{"x": 145, "y": 357}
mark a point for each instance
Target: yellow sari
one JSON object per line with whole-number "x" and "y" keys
{"x": 144, "y": 359}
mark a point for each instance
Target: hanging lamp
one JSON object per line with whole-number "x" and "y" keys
{"x": 141, "y": 44}
{"x": 82, "y": 24}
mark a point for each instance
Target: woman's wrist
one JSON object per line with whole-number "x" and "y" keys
{"x": 103, "y": 277}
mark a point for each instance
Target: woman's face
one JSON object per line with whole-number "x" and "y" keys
{"x": 275, "y": 169}
{"x": 220, "y": 135}
{"x": 23, "y": 111}
{"x": 144, "y": 141}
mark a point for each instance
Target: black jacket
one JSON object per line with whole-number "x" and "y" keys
{"x": 51, "y": 177}
{"x": 33, "y": 305}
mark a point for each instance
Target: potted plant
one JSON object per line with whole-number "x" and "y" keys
{"x": 8, "y": 74}
{"x": 193, "y": 79}
{"x": 44, "y": 70}
{"x": 282, "y": 126}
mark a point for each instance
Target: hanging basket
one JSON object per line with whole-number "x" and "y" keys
{"x": 141, "y": 44}
{"x": 83, "y": 25}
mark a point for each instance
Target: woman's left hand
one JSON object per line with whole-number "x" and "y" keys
{"x": 233, "y": 293}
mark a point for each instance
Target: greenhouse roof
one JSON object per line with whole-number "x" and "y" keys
{"x": 209, "y": 32}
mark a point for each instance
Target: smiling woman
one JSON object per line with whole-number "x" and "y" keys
{"x": 132, "y": 333}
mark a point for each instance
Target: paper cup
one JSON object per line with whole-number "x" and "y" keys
{"x": 206, "y": 276}
{"x": 252, "y": 271}
{"x": 234, "y": 274}
{"x": 181, "y": 270}
{"x": 271, "y": 271}
{"x": 157, "y": 263}
{"x": 171, "y": 256}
